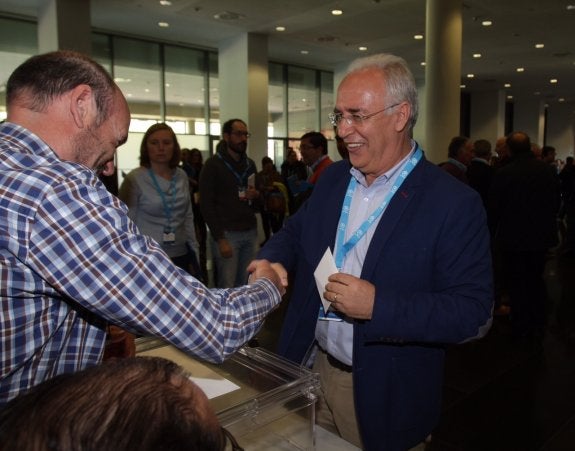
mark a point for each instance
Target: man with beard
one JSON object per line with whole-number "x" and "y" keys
{"x": 229, "y": 203}
{"x": 71, "y": 261}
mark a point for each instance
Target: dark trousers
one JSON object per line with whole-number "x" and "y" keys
{"x": 527, "y": 291}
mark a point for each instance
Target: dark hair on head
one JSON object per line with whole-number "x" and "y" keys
{"x": 266, "y": 160}
{"x": 317, "y": 140}
{"x": 546, "y": 150}
{"x": 482, "y": 148}
{"x": 143, "y": 403}
{"x": 228, "y": 126}
{"x": 518, "y": 143}
{"x": 145, "y": 156}
{"x": 195, "y": 151}
{"x": 456, "y": 144}
{"x": 42, "y": 78}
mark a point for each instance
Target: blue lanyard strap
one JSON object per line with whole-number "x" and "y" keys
{"x": 342, "y": 247}
{"x": 168, "y": 207}
{"x": 242, "y": 179}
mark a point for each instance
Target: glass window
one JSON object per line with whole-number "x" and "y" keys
{"x": 18, "y": 42}
{"x": 302, "y": 101}
{"x": 277, "y": 101}
{"x": 327, "y": 103}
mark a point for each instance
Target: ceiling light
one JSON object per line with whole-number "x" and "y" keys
{"x": 520, "y": 69}
{"x": 470, "y": 75}
{"x": 423, "y": 63}
{"x": 553, "y": 80}
{"x": 163, "y": 24}
{"x": 570, "y": 7}
{"x": 536, "y": 93}
{"x": 561, "y": 99}
{"x": 337, "y": 12}
{"x": 228, "y": 15}
{"x": 280, "y": 28}
{"x": 304, "y": 52}
{"x": 487, "y": 23}
{"x": 165, "y": 3}
{"x": 509, "y": 97}
{"x": 363, "y": 48}
{"x": 418, "y": 36}
{"x": 477, "y": 55}
{"x": 122, "y": 80}
{"x": 507, "y": 85}
{"x": 462, "y": 86}
{"x": 539, "y": 46}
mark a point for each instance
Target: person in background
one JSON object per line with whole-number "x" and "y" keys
{"x": 480, "y": 171}
{"x": 269, "y": 182}
{"x": 72, "y": 262}
{"x": 294, "y": 173}
{"x": 193, "y": 164}
{"x": 158, "y": 197}
{"x": 144, "y": 403}
{"x": 411, "y": 248}
{"x": 229, "y": 202}
{"x": 501, "y": 157}
{"x": 313, "y": 148}
{"x": 523, "y": 205}
{"x": 460, "y": 153}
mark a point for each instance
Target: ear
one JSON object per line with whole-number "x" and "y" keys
{"x": 82, "y": 105}
{"x": 402, "y": 116}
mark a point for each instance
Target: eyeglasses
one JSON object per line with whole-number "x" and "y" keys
{"x": 355, "y": 118}
{"x": 242, "y": 134}
{"x": 228, "y": 437}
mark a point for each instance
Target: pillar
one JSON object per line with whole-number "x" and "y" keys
{"x": 64, "y": 25}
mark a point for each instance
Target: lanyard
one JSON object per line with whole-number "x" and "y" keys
{"x": 168, "y": 208}
{"x": 342, "y": 248}
{"x": 241, "y": 178}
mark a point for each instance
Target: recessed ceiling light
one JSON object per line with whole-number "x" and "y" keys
{"x": 163, "y": 24}
{"x": 561, "y": 99}
{"x": 165, "y": 3}
{"x": 363, "y": 48}
{"x": 539, "y": 46}
{"x": 553, "y": 80}
{"x": 337, "y": 12}
{"x": 570, "y": 7}
{"x": 477, "y": 55}
{"x": 418, "y": 36}
{"x": 487, "y": 23}
{"x": 509, "y": 97}
{"x": 507, "y": 85}
{"x": 228, "y": 15}
{"x": 470, "y": 75}
{"x": 423, "y": 63}
{"x": 304, "y": 52}
{"x": 536, "y": 93}
{"x": 280, "y": 28}
{"x": 462, "y": 86}
{"x": 520, "y": 69}
{"x": 122, "y": 80}
{"x": 147, "y": 90}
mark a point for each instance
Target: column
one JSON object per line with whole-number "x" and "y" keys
{"x": 529, "y": 116}
{"x": 243, "y": 78}
{"x": 442, "y": 76}
{"x": 64, "y": 25}
{"x": 488, "y": 115}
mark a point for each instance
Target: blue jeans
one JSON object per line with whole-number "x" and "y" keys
{"x": 231, "y": 272}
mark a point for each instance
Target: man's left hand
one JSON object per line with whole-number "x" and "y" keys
{"x": 350, "y": 295}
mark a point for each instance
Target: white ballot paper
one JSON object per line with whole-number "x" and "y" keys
{"x": 214, "y": 387}
{"x": 325, "y": 268}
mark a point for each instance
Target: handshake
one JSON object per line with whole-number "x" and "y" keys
{"x": 274, "y": 272}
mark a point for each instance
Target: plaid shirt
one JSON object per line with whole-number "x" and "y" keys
{"x": 71, "y": 261}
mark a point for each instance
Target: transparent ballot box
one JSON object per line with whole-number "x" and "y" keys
{"x": 264, "y": 400}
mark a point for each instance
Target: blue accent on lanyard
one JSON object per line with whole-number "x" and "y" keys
{"x": 168, "y": 207}
{"x": 341, "y": 250}
{"x": 242, "y": 179}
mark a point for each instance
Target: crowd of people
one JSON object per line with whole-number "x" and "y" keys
{"x": 76, "y": 260}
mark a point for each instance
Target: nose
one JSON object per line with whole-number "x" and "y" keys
{"x": 344, "y": 128}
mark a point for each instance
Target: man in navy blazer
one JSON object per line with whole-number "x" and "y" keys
{"x": 411, "y": 245}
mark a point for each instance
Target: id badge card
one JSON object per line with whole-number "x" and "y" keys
{"x": 242, "y": 192}
{"x": 169, "y": 236}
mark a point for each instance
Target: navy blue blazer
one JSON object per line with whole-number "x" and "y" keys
{"x": 430, "y": 262}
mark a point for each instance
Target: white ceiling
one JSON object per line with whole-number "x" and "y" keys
{"x": 380, "y": 25}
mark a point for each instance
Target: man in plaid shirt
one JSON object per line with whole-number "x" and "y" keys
{"x": 71, "y": 261}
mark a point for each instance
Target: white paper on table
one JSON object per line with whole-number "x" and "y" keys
{"x": 325, "y": 268}
{"x": 215, "y": 387}
{"x": 252, "y": 181}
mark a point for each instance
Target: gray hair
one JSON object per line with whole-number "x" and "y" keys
{"x": 399, "y": 82}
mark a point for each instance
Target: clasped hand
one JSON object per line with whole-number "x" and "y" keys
{"x": 275, "y": 272}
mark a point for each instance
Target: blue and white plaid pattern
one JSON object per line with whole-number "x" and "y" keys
{"x": 71, "y": 261}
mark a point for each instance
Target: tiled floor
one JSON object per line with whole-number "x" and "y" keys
{"x": 501, "y": 395}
